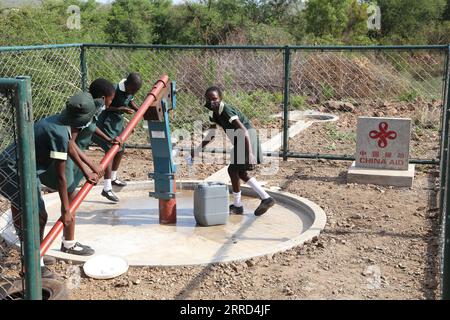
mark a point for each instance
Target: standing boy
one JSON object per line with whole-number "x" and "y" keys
{"x": 111, "y": 122}
{"x": 246, "y": 151}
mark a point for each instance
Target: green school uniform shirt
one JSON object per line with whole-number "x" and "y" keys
{"x": 74, "y": 174}
{"x": 224, "y": 118}
{"x": 51, "y": 137}
{"x": 111, "y": 122}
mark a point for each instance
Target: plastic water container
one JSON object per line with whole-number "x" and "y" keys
{"x": 211, "y": 203}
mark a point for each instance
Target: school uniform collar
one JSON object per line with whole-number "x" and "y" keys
{"x": 221, "y": 107}
{"x": 122, "y": 85}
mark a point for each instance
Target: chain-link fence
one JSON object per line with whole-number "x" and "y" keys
{"x": 19, "y": 250}
{"x": 276, "y": 87}
{"x": 406, "y": 83}
{"x": 252, "y": 79}
{"x": 10, "y": 258}
{"x": 55, "y": 75}
{"x": 348, "y": 82}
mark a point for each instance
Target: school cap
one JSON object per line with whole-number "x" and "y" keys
{"x": 80, "y": 109}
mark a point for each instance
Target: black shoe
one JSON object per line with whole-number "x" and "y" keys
{"x": 118, "y": 183}
{"x": 265, "y": 205}
{"x": 110, "y": 195}
{"x": 236, "y": 210}
{"x": 78, "y": 249}
{"x": 49, "y": 260}
{"x": 47, "y": 273}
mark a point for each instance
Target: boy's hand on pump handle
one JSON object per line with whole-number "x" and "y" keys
{"x": 127, "y": 110}
{"x": 99, "y": 171}
{"x": 118, "y": 141}
{"x": 93, "y": 177}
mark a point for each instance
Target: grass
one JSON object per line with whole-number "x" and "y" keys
{"x": 334, "y": 134}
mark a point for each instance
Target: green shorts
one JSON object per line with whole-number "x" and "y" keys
{"x": 239, "y": 154}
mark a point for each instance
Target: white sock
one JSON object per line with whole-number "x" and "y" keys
{"x": 237, "y": 199}
{"x": 113, "y": 175}
{"x": 258, "y": 188}
{"x": 108, "y": 185}
{"x": 68, "y": 243}
{"x": 42, "y": 262}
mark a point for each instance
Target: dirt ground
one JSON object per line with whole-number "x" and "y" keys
{"x": 378, "y": 243}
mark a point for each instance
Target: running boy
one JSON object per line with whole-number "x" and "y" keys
{"x": 52, "y": 136}
{"x": 102, "y": 91}
{"x": 111, "y": 122}
{"x": 245, "y": 154}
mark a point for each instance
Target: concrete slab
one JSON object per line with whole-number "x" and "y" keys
{"x": 131, "y": 228}
{"x": 398, "y": 178}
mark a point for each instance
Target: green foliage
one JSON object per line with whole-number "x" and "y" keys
{"x": 298, "y": 102}
{"x": 334, "y": 134}
{"x": 228, "y": 22}
{"x": 340, "y": 19}
{"x": 131, "y": 21}
{"x": 328, "y": 91}
{"x": 408, "y": 96}
{"x": 404, "y": 17}
{"x": 257, "y": 105}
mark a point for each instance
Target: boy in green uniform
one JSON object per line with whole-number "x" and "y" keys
{"x": 52, "y": 139}
{"x": 102, "y": 92}
{"x": 246, "y": 153}
{"x": 111, "y": 122}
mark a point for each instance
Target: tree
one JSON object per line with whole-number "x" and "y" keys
{"x": 403, "y": 18}
{"x": 131, "y": 22}
{"x": 337, "y": 18}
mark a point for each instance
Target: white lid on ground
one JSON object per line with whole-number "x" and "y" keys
{"x": 105, "y": 267}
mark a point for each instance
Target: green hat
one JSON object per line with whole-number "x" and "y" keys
{"x": 80, "y": 109}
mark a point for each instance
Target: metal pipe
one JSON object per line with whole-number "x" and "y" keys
{"x": 287, "y": 74}
{"x": 253, "y": 47}
{"x": 350, "y": 158}
{"x": 83, "y": 69}
{"x": 444, "y": 183}
{"x": 445, "y": 270}
{"x": 168, "y": 209}
{"x": 28, "y": 190}
{"x": 296, "y": 155}
{"x": 444, "y": 137}
{"x": 81, "y": 195}
{"x": 40, "y": 47}
{"x": 156, "y": 46}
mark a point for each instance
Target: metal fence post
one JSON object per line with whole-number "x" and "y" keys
{"x": 446, "y": 242}
{"x": 83, "y": 68}
{"x": 444, "y": 137}
{"x": 287, "y": 75}
{"x": 28, "y": 191}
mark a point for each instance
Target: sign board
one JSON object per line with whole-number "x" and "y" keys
{"x": 383, "y": 143}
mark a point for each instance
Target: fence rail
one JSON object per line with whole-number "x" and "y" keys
{"x": 272, "y": 85}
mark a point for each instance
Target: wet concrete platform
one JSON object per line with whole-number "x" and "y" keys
{"x": 131, "y": 228}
